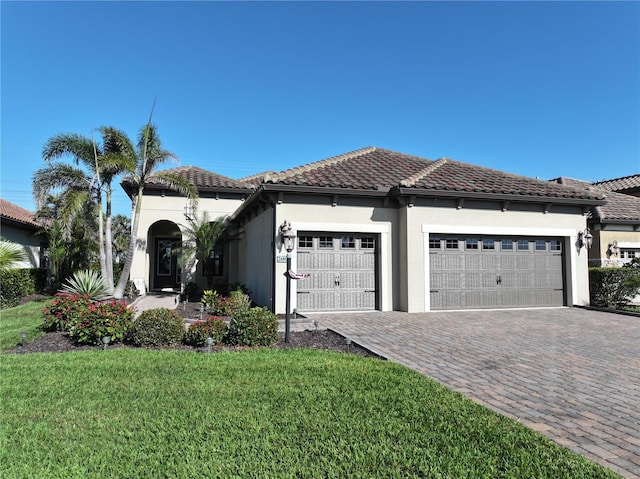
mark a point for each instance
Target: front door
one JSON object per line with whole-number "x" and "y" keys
{"x": 166, "y": 274}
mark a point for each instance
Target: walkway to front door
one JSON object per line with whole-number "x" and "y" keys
{"x": 569, "y": 373}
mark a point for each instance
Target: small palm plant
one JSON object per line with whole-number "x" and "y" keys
{"x": 87, "y": 283}
{"x": 11, "y": 254}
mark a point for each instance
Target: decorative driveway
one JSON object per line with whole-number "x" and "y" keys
{"x": 570, "y": 373}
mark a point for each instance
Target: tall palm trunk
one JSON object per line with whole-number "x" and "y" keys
{"x": 108, "y": 242}
{"x": 126, "y": 270}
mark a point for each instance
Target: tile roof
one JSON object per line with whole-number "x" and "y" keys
{"x": 373, "y": 168}
{"x": 618, "y": 206}
{"x": 631, "y": 183}
{"x": 203, "y": 179}
{"x": 14, "y": 212}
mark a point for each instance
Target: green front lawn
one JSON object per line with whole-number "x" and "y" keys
{"x": 26, "y": 317}
{"x": 260, "y": 413}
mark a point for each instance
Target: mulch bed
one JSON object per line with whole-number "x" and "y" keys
{"x": 57, "y": 342}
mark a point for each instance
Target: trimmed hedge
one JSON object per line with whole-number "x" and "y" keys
{"x": 613, "y": 287}
{"x": 212, "y": 327}
{"x": 15, "y": 284}
{"x": 156, "y": 327}
{"x": 253, "y": 327}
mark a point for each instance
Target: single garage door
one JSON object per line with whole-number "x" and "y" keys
{"x": 342, "y": 271}
{"x": 495, "y": 272}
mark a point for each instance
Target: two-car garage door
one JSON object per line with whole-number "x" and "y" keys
{"x": 495, "y": 272}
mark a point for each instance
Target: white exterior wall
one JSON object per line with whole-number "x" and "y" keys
{"x": 169, "y": 208}
{"x": 256, "y": 257}
{"x": 423, "y": 221}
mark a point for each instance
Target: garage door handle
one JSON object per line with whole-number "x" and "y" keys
{"x": 499, "y": 280}
{"x": 336, "y": 281}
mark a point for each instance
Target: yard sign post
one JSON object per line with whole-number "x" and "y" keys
{"x": 288, "y": 236}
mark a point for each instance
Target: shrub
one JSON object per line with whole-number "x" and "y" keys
{"x": 253, "y": 327}
{"x": 104, "y": 318}
{"x": 156, "y": 327}
{"x": 87, "y": 283}
{"x": 210, "y": 300}
{"x": 65, "y": 312}
{"x": 213, "y": 327}
{"x": 613, "y": 287}
{"x": 15, "y": 284}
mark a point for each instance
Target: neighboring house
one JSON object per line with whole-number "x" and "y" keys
{"x": 628, "y": 185}
{"x": 615, "y": 225}
{"x": 19, "y": 225}
{"x": 381, "y": 230}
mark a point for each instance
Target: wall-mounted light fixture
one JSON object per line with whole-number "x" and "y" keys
{"x": 585, "y": 238}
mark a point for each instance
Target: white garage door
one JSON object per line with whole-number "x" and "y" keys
{"x": 495, "y": 272}
{"x": 342, "y": 272}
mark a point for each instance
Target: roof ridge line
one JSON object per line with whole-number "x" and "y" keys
{"x": 276, "y": 177}
{"x": 413, "y": 179}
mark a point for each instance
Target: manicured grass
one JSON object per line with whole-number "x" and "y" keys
{"x": 260, "y": 413}
{"x": 26, "y": 317}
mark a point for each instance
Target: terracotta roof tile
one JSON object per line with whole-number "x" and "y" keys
{"x": 202, "y": 178}
{"x": 17, "y": 213}
{"x": 618, "y": 206}
{"x": 627, "y": 183}
{"x": 367, "y": 168}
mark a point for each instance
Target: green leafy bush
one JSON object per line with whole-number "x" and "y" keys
{"x": 65, "y": 312}
{"x": 15, "y": 284}
{"x": 213, "y": 327}
{"x": 209, "y": 300}
{"x": 87, "y": 321}
{"x": 87, "y": 283}
{"x": 104, "y": 318}
{"x": 156, "y": 327}
{"x": 253, "y": 327}
{"x": 613, "y": 287}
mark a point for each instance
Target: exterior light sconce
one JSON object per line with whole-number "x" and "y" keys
{"x": 188, "y": 209}
{"x": 105, "y": 341}
{"x": 585, "y": 238}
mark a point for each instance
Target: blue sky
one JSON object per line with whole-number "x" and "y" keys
{"x": 538, "y": 89}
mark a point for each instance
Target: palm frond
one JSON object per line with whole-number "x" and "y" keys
{"x": 12, "y": 255}
{"x": 73, "y": 144}
{"x": 179, "y": 184}
{"x": 48, "y": 179}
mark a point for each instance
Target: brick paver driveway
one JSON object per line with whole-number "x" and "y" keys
{"x": 569, "y": 373}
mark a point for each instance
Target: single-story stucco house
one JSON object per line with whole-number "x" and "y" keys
{"x": 20, "y": 226}
{"x": 615, "y": 225}
{"x": 381, "y": 230}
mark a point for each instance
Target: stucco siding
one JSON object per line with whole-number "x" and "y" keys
{"x": 257, "y": 257}
{"x": 169, "y": 208}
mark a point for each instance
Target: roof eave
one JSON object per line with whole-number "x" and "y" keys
{"x": 498, "y": 196}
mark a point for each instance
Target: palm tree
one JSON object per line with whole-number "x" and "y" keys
{"x": 79, "y": 188}
{"x": 200, "y": 239}
{"x": 121, "y": 233}
{"x": 149, "y": 155}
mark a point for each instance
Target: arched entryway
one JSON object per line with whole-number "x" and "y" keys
{"x": 164, "y": 240}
